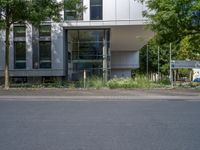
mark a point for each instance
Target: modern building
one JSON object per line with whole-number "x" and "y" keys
{"x": 104, "y": 40}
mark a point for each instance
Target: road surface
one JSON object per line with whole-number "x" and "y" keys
{"x": 32, "y": 124}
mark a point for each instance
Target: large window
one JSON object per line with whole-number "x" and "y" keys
{"x": 45, "y": 54}
{"x": 96, "y": 10}
{"x": 19, "y": 31}
{"x": 85, "y": 51}
{"x": 20, "y": 55}
{"x": 73, "y": 10}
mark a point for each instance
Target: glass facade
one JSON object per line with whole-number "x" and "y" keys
{"x": 96, "y": 9}
{"x": 19, "y": 31}
{"x": 85, "y": 52}
{"x": 42, "y": 47}
{"x": 20, "y": 55}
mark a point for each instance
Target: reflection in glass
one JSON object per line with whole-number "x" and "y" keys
{"x": 20, "y": 55}
{"x": 45, "y": 54}
{"x": 96, "y": 10}
{"x": 85, "y": 51}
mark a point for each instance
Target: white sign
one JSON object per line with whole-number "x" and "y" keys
{"x": 177, "y": 64}
{"x": 196, "y": 74}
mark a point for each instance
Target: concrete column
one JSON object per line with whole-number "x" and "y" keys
{"x": 11, "y": 54}
{"x": 29, "y": 62}
{"x": 105, "y": 58}
{"x": 35, "y": 47}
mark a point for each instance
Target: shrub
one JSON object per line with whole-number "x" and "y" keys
{"x": 165, "y": 81}
{"x": 139, "y": 81}
{"x": 94, "y": 82}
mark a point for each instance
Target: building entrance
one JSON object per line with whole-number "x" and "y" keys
{"x": 88, "y": 50}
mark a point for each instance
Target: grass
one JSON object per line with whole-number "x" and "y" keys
{"x": 95, "y": 82}
{"x": 127, "y": 83}
{"x": 140, "y": 81}
{"x": 92, "y": 82}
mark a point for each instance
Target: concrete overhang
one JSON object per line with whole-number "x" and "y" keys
{"x": 129, "y": 38}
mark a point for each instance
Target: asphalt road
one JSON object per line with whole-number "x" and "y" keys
{"x": 100, "y": 125}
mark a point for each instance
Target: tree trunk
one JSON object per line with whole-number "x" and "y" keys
{"x": 6, "y": 73}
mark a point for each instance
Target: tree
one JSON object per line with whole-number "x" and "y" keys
{"x": 171, "y": 20}
{"x": 153, "y": 57}
{"x": 27, "y": 11}
{"x": 176, "y": 22}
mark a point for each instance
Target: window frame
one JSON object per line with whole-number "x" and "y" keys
{"x": 18, "y": 35}
{"x": 47, "y": 61}
{"x": 44, "y": 34}
{"x": 15, "y": 56}
{"x": 97, "y": 5}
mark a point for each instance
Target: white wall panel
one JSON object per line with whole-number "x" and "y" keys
{"x": 2, "y": 50}
{"x": 124, "y": 60}
{"x": 129, "y": 38}
{"x": 109, "y": 12}
{"x": 57, "y": 46}
{"x": 29, "y": 53}
{"x": 123, "y": 9}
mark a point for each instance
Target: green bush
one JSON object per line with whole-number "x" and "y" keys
{"x": 165, "y": 81}
{"x": 94, "y": 82}
{"x": 137, "y": 82}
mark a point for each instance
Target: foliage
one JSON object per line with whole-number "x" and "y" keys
{"x": 95, "y": 82}
{"x": 164, "y": 57}
{"x": 20, "y": 11}
{"x": 75, "y": 5}
{"x": 176, "y": 22}
{"x": 171, "y": 20}
{"x": 92, "y": 82}
{"x": 190, "y": 47}
{"x": 138, "y": 82}
{"x": 164, "y": 81}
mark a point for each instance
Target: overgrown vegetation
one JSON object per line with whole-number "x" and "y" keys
{"x": 175, "y": 22}
{"x": 139, "y": 81}
{"x": 127, "y": 83}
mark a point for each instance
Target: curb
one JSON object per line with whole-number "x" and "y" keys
{"x": 99, "y": 98}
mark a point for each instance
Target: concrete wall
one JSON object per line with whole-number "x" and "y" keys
{"x": 129, "y": 38}
{"x": 115, "y": 12}
{"x": 122, "y": 62}
{"x": 57, "y": 46}
{"x": 2, "y": 50}
{"x": 121, "y": 73}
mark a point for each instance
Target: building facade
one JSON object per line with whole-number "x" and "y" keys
{"x": 104, "y": 40}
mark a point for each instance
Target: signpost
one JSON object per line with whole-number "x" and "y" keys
{"x": 170, "y": 65}
{"x": 178, "y": 64}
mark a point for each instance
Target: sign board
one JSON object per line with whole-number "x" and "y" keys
{"x": 196, "y": 74}
{"x": 177, "y": 64}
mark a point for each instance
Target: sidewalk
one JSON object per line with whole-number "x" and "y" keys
{"x": 59, "y": 92}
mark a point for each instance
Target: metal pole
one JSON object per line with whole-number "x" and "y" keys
{"x": 171, "y": 79}
{"x": 84, "y": 78}
{"x": 147, "y": 60}
{"x": 158, "y": 63}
